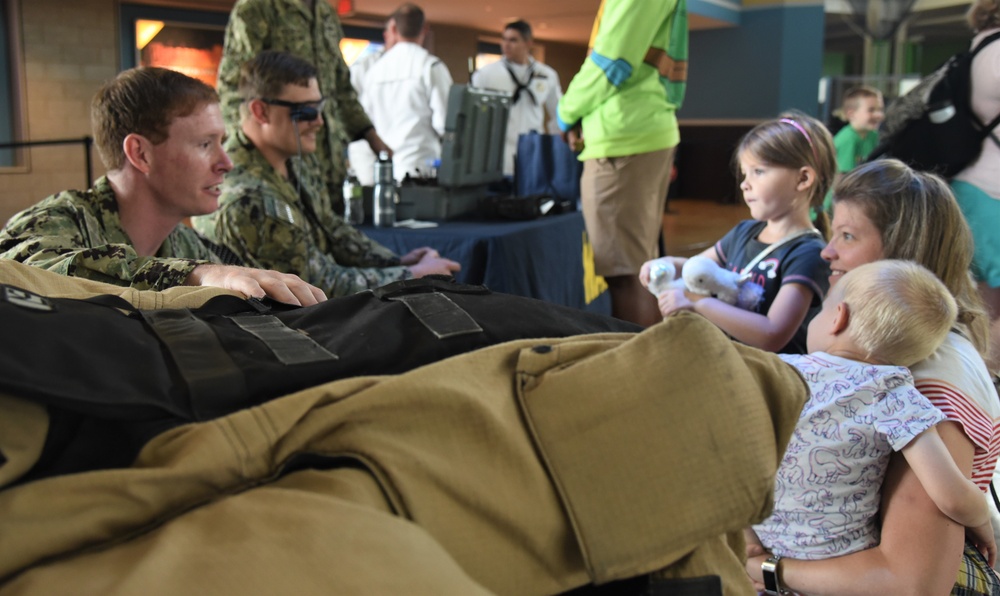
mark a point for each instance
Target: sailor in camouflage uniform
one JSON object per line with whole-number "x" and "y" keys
{"x": 311, "y": 30}
{"x": 160, "y": 135}
{"x": 80, "y": 233}
{"x": 266, "y": 212}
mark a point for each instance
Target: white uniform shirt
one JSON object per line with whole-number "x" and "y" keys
{"x": 526, "y": 115}
{"x": 359, "y": 153}
{"x": 406, "y": 97}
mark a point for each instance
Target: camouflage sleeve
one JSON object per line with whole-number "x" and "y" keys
{"x": 350, "y": 246}
{"x": 247, "y": 34}
{"x": 272, "y": 241}
{"x": 61, "y": 240}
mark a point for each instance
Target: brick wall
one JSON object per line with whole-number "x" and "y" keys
{"x": 70, "y": 47}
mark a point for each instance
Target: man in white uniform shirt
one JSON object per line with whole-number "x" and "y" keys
{"x": 534, "y": 88}
{"x": 359, "y": 153}
{"x": 406, "y": 94}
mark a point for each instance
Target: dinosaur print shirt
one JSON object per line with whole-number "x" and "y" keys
{"x": 828, "y": 485}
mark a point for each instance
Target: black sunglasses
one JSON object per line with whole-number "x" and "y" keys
{"x": 308, "y": 110}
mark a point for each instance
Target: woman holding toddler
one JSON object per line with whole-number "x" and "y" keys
{"x": 885, "y": 210}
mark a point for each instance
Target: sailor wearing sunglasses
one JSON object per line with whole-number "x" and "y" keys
{"x": 275, "y": 212}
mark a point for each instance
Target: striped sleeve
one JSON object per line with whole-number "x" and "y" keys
{"x": 981, "y": 428}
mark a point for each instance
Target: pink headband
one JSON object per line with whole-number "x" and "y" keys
{"x": 802, "y": 129}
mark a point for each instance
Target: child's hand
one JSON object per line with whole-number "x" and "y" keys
{"x": 982, "y": 537}
{"x": 644, "y": 274}
{"x": 754, "y": 547}
{"x": 672, "y": 301}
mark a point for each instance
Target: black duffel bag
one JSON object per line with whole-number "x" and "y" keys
{"x": 112, "y": 376}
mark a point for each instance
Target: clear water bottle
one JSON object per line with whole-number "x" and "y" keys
{"x": 354, "y": 208}
{"x": 385, "y": 195}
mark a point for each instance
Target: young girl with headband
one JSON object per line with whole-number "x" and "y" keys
{"x": 786, "y": 166}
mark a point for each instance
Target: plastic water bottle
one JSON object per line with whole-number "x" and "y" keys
{"x": 385, "y": 195}
{"x": 354, "y": 208}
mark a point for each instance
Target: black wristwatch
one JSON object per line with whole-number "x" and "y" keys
{"x": 769, "y": 568}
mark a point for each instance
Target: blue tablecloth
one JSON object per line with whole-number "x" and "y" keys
{"x": 549, "y": 258}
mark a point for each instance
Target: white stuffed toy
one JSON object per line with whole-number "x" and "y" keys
{"x": 663, "y": 276}
{"x": 702, "y": 275}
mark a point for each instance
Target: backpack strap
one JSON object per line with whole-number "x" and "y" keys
{"x": 986, "y": 41}
{"x": 988, "y": 127}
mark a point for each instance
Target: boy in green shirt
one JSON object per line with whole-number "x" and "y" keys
{"x": 864, "y": 110}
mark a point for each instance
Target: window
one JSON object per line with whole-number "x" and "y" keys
{"x": 188, "y": 41}
{"x": 487, "y": 52}
{"x": 359, "y": 42}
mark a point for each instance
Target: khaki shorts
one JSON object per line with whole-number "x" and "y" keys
{"x": 623, "y": 200}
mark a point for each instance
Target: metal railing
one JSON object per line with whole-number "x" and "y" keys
{"x": 86, "y": 141}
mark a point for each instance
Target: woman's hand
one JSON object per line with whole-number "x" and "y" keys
{"x": 756, "y": 554}
{"x": 984, "y": 540}
{"x": 753, "y": 569}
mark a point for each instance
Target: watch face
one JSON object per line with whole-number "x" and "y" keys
{"x": 769, "y": 570}
{"x": 770, "y": 583}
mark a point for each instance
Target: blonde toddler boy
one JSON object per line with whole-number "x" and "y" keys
{"x": 878, "y": 319}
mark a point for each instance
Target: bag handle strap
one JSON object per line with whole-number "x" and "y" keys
{"x": 747, "y": 271}
{"x": 215, "y": 383}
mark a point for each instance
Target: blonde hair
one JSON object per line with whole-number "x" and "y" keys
{"x": 983, "y": 14}
{"x": 899, "y": 312}
{"x": 795, "y": 140}
{"x": 920, "y": 221}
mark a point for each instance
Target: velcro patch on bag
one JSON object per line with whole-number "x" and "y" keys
{"x": 25, "y": 299}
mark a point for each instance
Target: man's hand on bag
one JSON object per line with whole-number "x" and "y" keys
{"x": 574, "y": 138}
{"x": 413, "y": 257}
{"x": 431, "y": 263}
{"x": 257, "y": 283}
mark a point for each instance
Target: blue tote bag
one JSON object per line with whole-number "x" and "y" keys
{"x": 545, "y": 165}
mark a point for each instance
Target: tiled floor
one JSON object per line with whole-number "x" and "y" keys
{"x": 692, "y": 225}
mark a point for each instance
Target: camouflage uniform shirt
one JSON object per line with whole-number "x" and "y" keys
{"x": 267, "y": 221}
{"x": 288, "y": 25}
{"x": 79, "y": 233}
